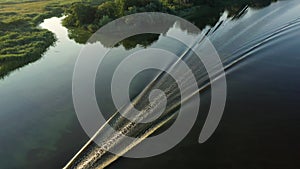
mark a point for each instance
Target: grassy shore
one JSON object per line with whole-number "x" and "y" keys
{"x": 21, "y": 41}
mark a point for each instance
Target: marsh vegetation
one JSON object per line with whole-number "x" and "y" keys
{"x": 21, "y": 41}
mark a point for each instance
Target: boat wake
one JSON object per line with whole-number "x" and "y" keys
{"x": 233, "y": 48}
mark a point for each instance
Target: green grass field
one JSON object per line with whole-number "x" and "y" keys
{"x": 21, "y": 41}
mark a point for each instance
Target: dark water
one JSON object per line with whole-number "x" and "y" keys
{"x": 259, "y": 128}
{"x": 260, "y": 125}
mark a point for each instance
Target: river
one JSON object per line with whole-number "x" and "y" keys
{"x": 39, "y": 128}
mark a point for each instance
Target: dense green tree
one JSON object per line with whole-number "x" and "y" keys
{"x": 104, "y": 20}
{"x": 79, "y": 14}
{"x": 107, "y": 9}
{"x": 121, "y": 6}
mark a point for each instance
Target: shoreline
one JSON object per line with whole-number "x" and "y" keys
{"x": 23, "y": 40}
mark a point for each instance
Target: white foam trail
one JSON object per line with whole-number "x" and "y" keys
{"x": 90, "y": 159}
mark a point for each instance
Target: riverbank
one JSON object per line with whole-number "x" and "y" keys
{"x": 37, "y": 118}
{"x": 21, "y": 41}
{"x": 85, "y": 18}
